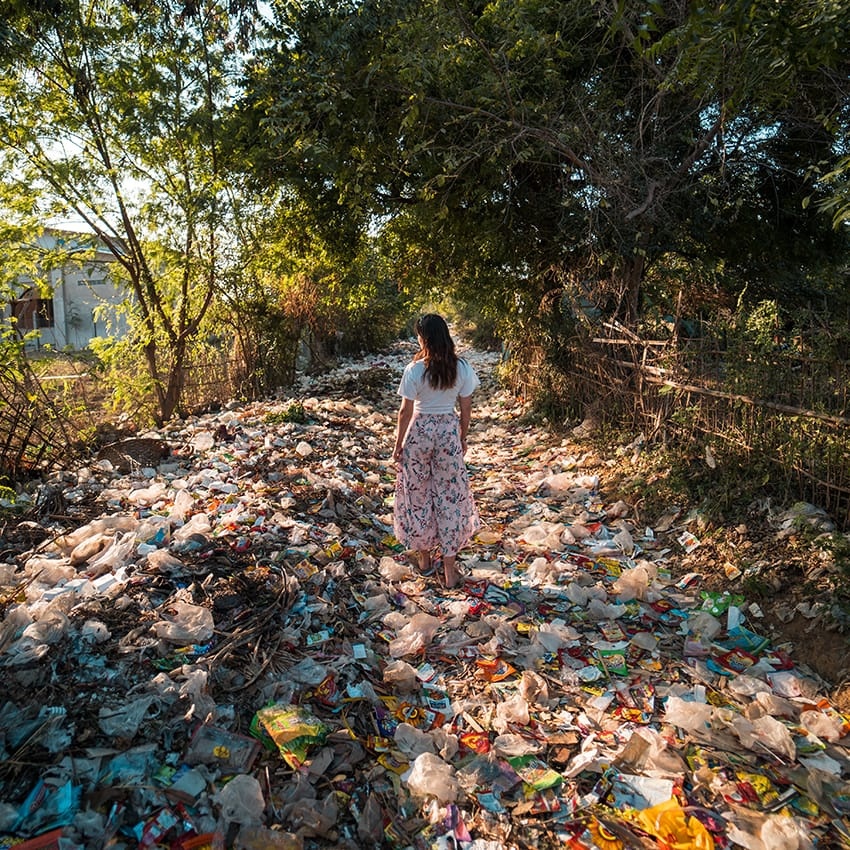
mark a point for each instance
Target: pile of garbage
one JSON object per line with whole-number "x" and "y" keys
{"x": 227, "y": 647}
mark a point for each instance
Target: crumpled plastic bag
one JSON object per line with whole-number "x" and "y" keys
{"x": 412, "y": 741}
{"x": 599, "y": 610}
{"x": 123, "y": 721}
{"x": 688, "y": 715}
{"x": 49, "y": 628}
{"x": 430, "y": 776}
{"x": 545, "y": 535}
{"x": 512, "y": 710}
{"x": 49, "y": 571}
{"x": 94, "y": 631}
{"x": 195, "y": 689}
{"x": 401, "y": 675}
{"x": 392, "y": 570}
{"x": 241, "y": 800}
{"x": 825, "y": 727}
{"x": 533, "y": 688}
{"x": 198, "y": 524}
{"x": 183, "y": 624}
{"x": 766, "y": 732}
{"x": 555, "y": 636}
{"x": 510, "y": 745}
{"x": 415, "y": 636}
{"x": 116, "y": 555}
{"x": 307, "y": 815}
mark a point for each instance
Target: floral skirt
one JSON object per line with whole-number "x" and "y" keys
{"x": 433, "y": 503}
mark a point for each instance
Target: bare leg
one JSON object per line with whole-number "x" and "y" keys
{"x": 424, "y": 556}
{"x": 450, "y": 569}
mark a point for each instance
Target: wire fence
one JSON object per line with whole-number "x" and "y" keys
{"x": 787, "y": 407}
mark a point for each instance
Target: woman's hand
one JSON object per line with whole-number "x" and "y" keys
{"x": 405, "y": 414}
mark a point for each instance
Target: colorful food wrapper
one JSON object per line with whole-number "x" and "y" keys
{"x": 292, "y": 728}
{"x": 535, "y": 773}
{"x": 612, "y": 661}
{"x": 688, "y": 542}
{"x": 495, "y": 669}
{"x": 718, "y": 603}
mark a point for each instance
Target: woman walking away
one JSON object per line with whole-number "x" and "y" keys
{"x": 434, "y": 506}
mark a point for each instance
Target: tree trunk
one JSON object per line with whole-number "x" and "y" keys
{"x": 629, "y": 282}
{"x": 172, "y": 397}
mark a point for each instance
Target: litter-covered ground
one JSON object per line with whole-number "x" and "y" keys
{"x": 210, "y": 638}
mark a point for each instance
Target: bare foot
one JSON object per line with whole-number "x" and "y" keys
{"x": 451, "y": 574}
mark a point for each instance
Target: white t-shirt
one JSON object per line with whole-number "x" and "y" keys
{"x": 414, "y": 385}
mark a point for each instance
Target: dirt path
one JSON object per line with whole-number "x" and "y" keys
{"x": 576, "y": 676}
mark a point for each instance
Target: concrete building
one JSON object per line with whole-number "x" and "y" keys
{"x": 80, "y": 300}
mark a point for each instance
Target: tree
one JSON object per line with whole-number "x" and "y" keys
{"x": 111, "y": 113}
{"x": 550, "y": 149}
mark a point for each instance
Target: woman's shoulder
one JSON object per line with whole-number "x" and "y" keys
{"x": 414, "y": 370}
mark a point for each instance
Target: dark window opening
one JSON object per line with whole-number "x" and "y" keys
{"x": 33, "y": 313}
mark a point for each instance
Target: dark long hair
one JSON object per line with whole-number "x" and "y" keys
{"x": 438, "y": 351}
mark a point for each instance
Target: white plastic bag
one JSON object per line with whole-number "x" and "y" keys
{"x": 183, "y": 624}
{"x": 241, "y": 800}
{"x": 415, "y": 636}
{"x": 430, "y": 776}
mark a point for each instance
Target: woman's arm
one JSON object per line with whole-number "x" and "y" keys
{"x": 465, "y": 404}
{"x": 405, "y": 414}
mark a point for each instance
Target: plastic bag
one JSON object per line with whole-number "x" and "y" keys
{"x": 185, "y": 624}
{"x": 632, "y": 584}
{"x": 599, "y": 610}
{"x": 164, "y": 562}
{"x": 545, "y": 535}
{"x": 49, "y": 571}
{"x": 825, "y": 727}
{"x": 155, "y": 530}
{"x": 415, "y": 636}
{"x": 780, "y": 832}
{"x": 194, "y": 688}
{"x": 766, "y": 732}
{"x": 704, "y": 624}
{"x": 198, "y": 524}
{"x": 183, "y": 503}
{"x": 430, "y": 776}
{"x": 392, "y": 570}
{"x": 402, "y": 675}
{"x": 512, "y": 710}
{"x": 510, "y": 745}
{"x": 123, "y": 721}
{"x": 554, "y": 636}
{"x": 624, "y": 541}
{"x": 116, "y": 555}
{"x": 241, "y": 800}
{"x": 49, "y": 628}
{"x": 94, "y": 631}
{"x": 691, "y": 716}
{"x": 412, "y": 741}
{"x": 533, "y": 688}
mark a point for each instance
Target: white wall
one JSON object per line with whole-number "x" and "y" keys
{"x": 79, "y": 293}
